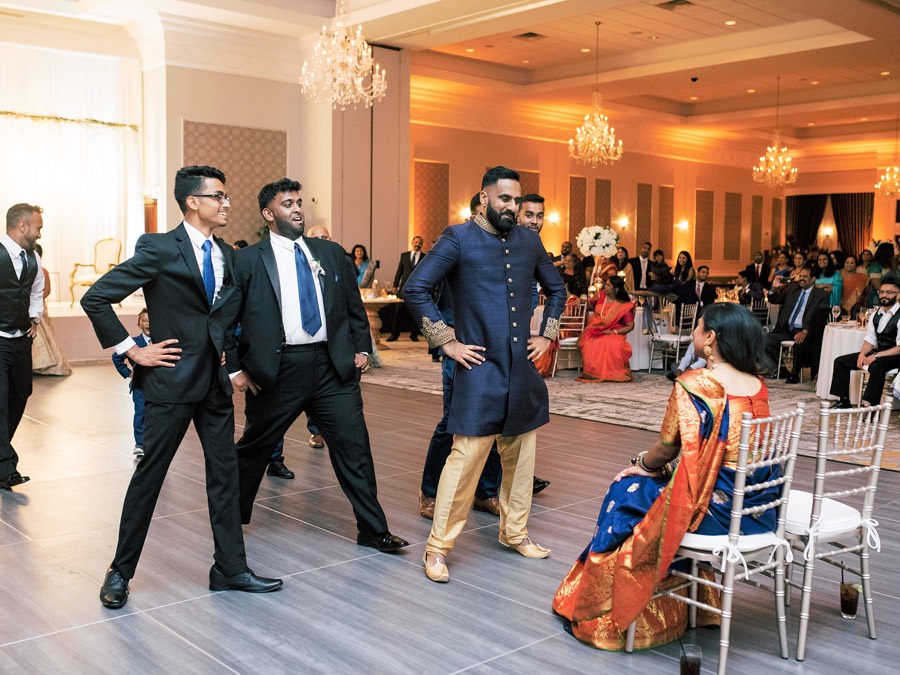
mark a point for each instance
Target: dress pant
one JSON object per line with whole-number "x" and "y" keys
{"x": 806, "y": 353}
{"x": 15, "y": 388}
{"x": 457, "y": 487}
{"x": 442, "y": 442}
{"x": 164, "y": 427}
{"x": 878, "y": 370}
{"x": 137, "y": 397}
{"x": 308, "y": 380}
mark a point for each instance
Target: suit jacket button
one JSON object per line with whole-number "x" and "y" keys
{"x": 515, "y": 339}
{"x": 513, "y": 309}
{"x": 277, "y": 351}
{"x": 515, "y": 325}
{"x": 509, "y": 281}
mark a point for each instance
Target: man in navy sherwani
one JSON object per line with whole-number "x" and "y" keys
{"x": 498, "y": 395}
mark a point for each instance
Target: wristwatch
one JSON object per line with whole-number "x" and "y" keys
{"x": 35, "y": 320}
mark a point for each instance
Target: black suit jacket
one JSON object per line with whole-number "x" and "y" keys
{"x": 636, "y": 270}
{"x": 165, "y": 266}
{"x": 818, "y": 304}
{"x": 707, "y": 297}
{"x": 405, "y": 268}
{"x": 763, "y": 278}
{"x": 259, "y": 311}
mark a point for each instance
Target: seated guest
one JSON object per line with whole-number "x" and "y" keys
{"x": 604, "y": 268}
{"x": 758, "y": 270}
{"x": 544, "y": 363}
{"x": 864, "y": 259}
{"x": 838, "y": 258}
{"x": 880, "y": 351}
{"x": 365, "y": 269}
{"x": 572, "y": 273}
{"x": 854, "y": 283}
{"x": 684, "y": 268}
{"x": 880, "y": 267}
{"x": 659, "y": 258}
{"x": 782, "y": 268}
{"x": 749, "y": 290}
{"x": 605, "y": 351}
{"x": 802, "y": 318}
{"x": 625, "y": 270}
{"x": 689, "y": 361}
{"x": 640, "y": 526}
{"x": 565, "y": 249}
{"x": 799, "y": 264}
{"x": 700, "y": 291}
{"x": 829, "y": 279}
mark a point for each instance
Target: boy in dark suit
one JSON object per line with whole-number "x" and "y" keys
{"x": 131, "y": 371}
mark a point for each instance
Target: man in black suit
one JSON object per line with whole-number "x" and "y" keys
{"x": 750, "y": 290}
{"x": 21, "y": 307}
{"x": 188, "y": 281}
{"x": 640, "y": 267}
{"x": 408, "y": 262}
{"x": 304, "y": 338}
{"x": 704, "y": 291}
{"x": 802, "y": 318}
{"x": 758, "y": 270}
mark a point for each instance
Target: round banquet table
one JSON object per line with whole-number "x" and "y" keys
{"x": 372, "y": 306}
{"x": 839, "y": 339}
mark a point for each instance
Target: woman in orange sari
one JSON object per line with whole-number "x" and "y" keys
{"x": 682, "y": 484}
{"x": 604, "y": 269}
{"x": 605, "y": 352}
{"x": 544, "y": 363}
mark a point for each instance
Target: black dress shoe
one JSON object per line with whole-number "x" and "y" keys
{"x": 279, "y": 470}
{"x": 843, "y": 404}
{"x": 414, "y": 337}
{"x": 391, "y": 338}
{"x": 539, "y": 484}
{"x": 13, "y": 479}
{"x": 246, "y": 581}
{"x": 670, "y": 376}
{"x": 385, "y": 542}
{"x": 114, "y": 591}
{"x": 793, "y": 379}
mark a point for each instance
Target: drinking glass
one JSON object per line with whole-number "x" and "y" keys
{"x": 849, "y": 599}
{"x": 836, "y": 312}
{"x": 691, "y": 657}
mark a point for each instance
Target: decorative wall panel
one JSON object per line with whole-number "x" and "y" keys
{"x": 577, "y": 206}
{"x": 756, "y": 224}
{"x": 704, "y": 205}
{"x": 644, "y": 216}
{"x": 250, "y": 158}
{"x": 530, "y": 182}
{"x": 432, "y": 200}
{"x": 602, "y": 202}
{"x": 777, "y": 210}
{"x": 732, "y": 226}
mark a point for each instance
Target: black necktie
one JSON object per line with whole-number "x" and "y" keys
{"x": 24, "y": 265}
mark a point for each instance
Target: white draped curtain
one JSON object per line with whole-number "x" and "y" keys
{"x": 86, "y": 175}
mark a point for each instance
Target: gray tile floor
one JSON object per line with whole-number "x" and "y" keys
{"x": 343, "y": 608}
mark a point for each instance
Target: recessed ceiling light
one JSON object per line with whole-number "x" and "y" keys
{"x": 810, "y": 124}
{"x": 525, "y": 61}
{"x": 751, "y": 91}
{"x": 469, "y": 50}
{"x": 693, "y": 98}
{"x": 885, "y": 72}
{"x": 863, "y": 119}
{"x": 654, "y": 37}
{"x": 585, "y": 51}
{"x": 814, "y": 82}
{"x": 730, "y": 22}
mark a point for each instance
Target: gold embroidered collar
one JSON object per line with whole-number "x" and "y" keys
{"x": 482, "y": 222}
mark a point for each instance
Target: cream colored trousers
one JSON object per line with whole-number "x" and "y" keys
{"x": 459, "y": 479}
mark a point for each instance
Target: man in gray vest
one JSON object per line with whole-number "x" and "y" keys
{"x": 21, "y": 307}
{"x": 880, "y": 350}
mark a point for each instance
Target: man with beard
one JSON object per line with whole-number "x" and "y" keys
{"x": 187, "y": 278}
{"x": 498, "y": 395}
{"x": 21, "y": 307}
{"x": 880, "y": 351}
{"x": 304, "y": 339}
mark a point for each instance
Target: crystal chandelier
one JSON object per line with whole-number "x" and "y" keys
{"x": 889, "y": 185}
{"x": 595, "y": 141}
{"x": 343, "y": 71}
{"x": 774, "y": 168}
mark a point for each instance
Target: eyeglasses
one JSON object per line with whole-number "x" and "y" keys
{"x": 219, "y": 197}
{"x": 888, "y": 292}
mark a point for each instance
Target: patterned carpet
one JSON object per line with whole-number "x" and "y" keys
{"x": 639, "y": 404}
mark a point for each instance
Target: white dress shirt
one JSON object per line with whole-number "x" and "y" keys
{"x": 36, "y": 300}
{"x": 886, "y": 315}
{"x": 283, "y": 248}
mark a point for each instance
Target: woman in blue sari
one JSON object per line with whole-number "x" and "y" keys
{"x": 365, "y": 270}
{"x": 682, "y": 484}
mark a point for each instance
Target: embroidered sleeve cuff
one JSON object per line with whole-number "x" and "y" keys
{"x": 551, "y": 329}
{"x": 437, "y": 333}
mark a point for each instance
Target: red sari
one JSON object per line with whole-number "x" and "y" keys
{"x": 606, "y": 357}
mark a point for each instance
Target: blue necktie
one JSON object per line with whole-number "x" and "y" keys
{"x": 209, "y": 276}
{"x": 309, "y": 303}
{"x": 796, "y": 312}
{"x": 24, "y": 265}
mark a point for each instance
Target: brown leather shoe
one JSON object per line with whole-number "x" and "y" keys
{"x": 316, "y": 441}
{"x": 426, "y": 506}
{"x": 489, "y": 505}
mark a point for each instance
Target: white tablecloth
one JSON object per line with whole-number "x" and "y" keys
{"x": 839, "y": 339}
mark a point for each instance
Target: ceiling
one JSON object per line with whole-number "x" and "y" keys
{"x": 704, "y": 66}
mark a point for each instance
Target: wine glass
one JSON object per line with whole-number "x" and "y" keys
{"x": 836, "y": 312}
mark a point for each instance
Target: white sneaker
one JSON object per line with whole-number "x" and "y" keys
{"x": 138, "y": 451}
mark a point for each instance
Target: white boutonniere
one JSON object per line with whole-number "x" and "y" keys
{"x": 316, "y": 267}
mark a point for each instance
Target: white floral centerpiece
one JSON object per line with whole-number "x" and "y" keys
{"x": 596, "y": 240}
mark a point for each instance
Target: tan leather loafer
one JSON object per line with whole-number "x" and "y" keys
{"x": 426, "y": 506}
{"x": 437, "y": 570}
{"x": 526, "y": 547}
{"x": 489, "y": 505}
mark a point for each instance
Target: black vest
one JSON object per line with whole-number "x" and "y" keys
{"x": 15, "y": 294}
{"x": 887, "y": 338}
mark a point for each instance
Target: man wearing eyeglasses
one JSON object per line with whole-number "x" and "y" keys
{"x": 188, "y": 279}
{"x": 880, "y": 351}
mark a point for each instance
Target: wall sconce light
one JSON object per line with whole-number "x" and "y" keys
{"x": 464, "y": 213}
{"x": 553, "y": 217}
{"x": 622, "y": 222}
{"x": 682, "y": 225}
{"x": 827, "y": 231}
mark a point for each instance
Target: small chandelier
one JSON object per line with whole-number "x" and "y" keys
{"x": 774, "y": 168}
{"x": 343, "y": 71}
{"x": 595, "y": 141}
{"x": 889, "y": 185}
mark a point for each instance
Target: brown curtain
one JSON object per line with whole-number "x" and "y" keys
{"x": 853, "y": 219}
{"x": 803, "y": 215}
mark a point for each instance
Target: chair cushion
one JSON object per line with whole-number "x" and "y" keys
{"x": 835, "y": 518}
{"x": 572, "y": 341}
{"x": 86, "y": 277}
{"x": 787, "y": 343}
{"x": 673, "y": 338}
{"x": 750, "y": 542}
